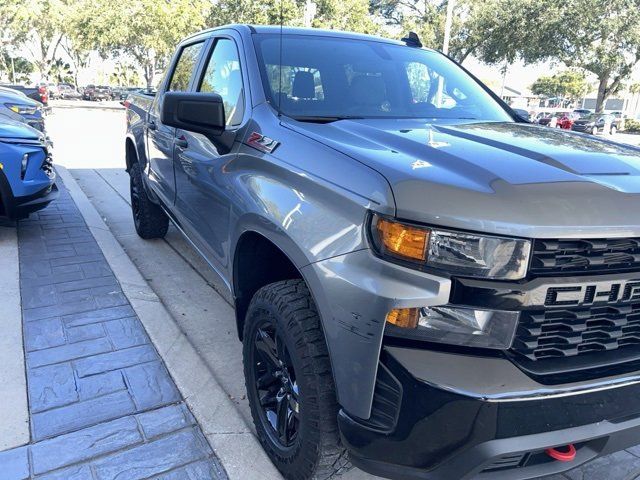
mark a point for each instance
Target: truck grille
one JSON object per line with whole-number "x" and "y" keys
{"x": 576, "y": 332}
{"x": 561, "y": 257}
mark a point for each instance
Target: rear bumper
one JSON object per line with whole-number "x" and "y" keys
{"x": 441, "y": 433}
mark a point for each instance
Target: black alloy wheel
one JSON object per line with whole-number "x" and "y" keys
{"x": 276, "y": 385}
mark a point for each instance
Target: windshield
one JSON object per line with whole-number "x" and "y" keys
{"x": 324, "y": 77}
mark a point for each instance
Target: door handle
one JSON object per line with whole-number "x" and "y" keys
{"x": 182, "y": 143}
{"x": 152, "y": 125}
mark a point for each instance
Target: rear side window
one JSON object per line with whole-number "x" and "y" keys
{"x": 222, "y": 76}
{"x": 185, "y": 67}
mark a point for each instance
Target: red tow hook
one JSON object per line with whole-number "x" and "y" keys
{"x": 562, "y": 454}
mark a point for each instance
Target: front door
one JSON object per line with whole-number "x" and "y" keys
{"x": 203, "y": 190}
{"x": 160, "y": 138}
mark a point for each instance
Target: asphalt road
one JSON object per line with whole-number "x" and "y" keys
{"x": 89, "y": 141}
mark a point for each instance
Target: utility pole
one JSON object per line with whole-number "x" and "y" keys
{"x": 13, "y": 71}
{"x": 447, "y": 26}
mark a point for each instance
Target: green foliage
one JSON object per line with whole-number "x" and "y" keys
{"x": 472, "y": 22}
{"x": 147, "y": 30}
{"x": 568, "y": 84}
{"x": 20, "y": 66}
{"x": 601, "y": 37}
{"x": 631, "y": 126}
{"x": 351, "y": 15}
{"x": 124, "y": 75}
{"x": 61, "y": 72}
{"x": 264, "y": 12}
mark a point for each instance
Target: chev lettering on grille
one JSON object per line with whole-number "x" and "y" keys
{"x": 608, "y": 292}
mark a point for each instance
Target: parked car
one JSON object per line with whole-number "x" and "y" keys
{"x": 93, "y": 93}
{"x": 595, "y": 123}
{"x": 583, "y": 111}
{"x": 22, "y": 109}
{"x": 52, "y": 90}
{"x": 12, "y": 91}
{"x": 428, "y": 289}
{"x": 27, "y": 177}
{"x": 33, "y": 93}
{"x": 566, "y": 120}
{"x": 68, "y": 92}
{"x": 550, "y": 120}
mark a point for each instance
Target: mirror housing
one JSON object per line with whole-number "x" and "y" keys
{"x": 194, "y": 112}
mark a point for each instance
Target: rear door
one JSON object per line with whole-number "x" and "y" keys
{"x": 203, "y": 191}
{"x": 160, "y": 138}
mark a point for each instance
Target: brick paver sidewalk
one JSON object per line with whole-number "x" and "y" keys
{"x": 102, "y": 404}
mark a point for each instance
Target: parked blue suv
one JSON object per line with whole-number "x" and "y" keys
{"x": 20, "y": 108}
{"x": 27, "y": 177}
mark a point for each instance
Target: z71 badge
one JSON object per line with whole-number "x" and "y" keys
{"x": 262, "y": 143}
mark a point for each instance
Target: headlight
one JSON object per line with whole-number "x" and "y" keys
{"x": 459, "y": 253}
{"x": 21, "y": 109}
{"x": 453, "y": 325}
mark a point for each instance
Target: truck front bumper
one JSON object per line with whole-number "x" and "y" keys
{"x": 446, "y": 430}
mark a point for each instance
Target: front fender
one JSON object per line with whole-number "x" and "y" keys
{"x": 353, "y": 293}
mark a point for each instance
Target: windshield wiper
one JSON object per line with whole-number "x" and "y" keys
{"x": 324, "y": 119}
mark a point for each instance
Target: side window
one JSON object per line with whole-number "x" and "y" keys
{"x": 184, "y": 68}
{"x": 222, "y": 76}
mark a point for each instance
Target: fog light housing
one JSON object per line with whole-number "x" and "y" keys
{"x": 24, "y": 165}
{"x": 467, "y": 327}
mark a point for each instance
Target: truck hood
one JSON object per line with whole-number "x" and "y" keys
{"x": 504, "y": 178}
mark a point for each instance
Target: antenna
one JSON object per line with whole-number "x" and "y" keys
{"x": 280, "y": 62}
{"x": 412, "y": 40}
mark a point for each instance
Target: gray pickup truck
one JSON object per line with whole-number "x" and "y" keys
{"x": 425, "y": 285}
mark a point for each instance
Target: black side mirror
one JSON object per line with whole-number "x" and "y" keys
{"x": 194, "y": 112}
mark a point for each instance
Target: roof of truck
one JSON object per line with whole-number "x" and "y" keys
{"x": 276, "y": 29}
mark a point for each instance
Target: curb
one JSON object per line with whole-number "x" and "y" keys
{"x": 226, "y": 430}
{"x": 14, "y": 410}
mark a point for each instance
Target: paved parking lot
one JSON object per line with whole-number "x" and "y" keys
{"x": 90, "y": 144}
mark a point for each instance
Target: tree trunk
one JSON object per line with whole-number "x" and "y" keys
{"x": 603, "y": 92}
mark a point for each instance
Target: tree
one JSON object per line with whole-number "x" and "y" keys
{"x": 145, "y": 30}
{"x": 568, "y": 86}
{"x": 124, "y": 75}
{"x": 264, "y": 12}
{"x": 37, "y": 26}
{"x": 60, "y": 72}
{"x": 634, "y": 90}
{"x": 16, "y": 69}
{"x": 79, "y": 57}
{"x": 351, "y": 15}
{"x": 601, "y": 37}
{"x": 472, "y": 21}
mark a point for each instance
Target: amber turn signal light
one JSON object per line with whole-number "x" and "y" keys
{"x": 404, "y": 317}
{"x": 403, "y": 240}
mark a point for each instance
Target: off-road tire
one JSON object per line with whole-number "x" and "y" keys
{"x": 149, "y": 219}
{"x": 317, "y": 453}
